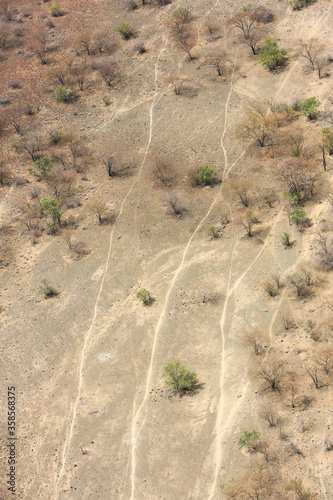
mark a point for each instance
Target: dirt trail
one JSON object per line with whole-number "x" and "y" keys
{"x": 89, "y": 334}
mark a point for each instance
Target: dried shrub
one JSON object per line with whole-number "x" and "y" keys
{"x": 163, "y": 171}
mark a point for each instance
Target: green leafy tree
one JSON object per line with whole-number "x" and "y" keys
{"x": 125, "y": 30}
{"x": 205, "y": 175}
{"x": 298, "y": 216}
{"x": 310, "y": 108}
{"x": 144, "y": 296}
{"x": 66, "y": 93}
{"x": 53, "y": 208}
{"x": 248, "y": 438}
{"x": 43, "y": 165}
{"x": 271, "y": 56}
{"x": 178, "y": 377}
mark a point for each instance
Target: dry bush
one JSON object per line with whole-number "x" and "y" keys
{"x": 186, "y": 41}
{"x": 109, "y": 70}
{"x": 329, "y": 441}
{"x": 212, "y": 27}
{"x": 270, "y": 413}
{"x": 299, "y": 282}
{"x": 100, "y": 209}
{"x": 110, "y": 158}
{"x": 324, "y": 359}
{"x": 323, "y": 255}
{"x": 5, "y": 175}
{"x": 269, "y": 285}
{"x": 243, "y": 188}
{"x": 32, "y": 144}
{"x": 104, "y": 43}
{"x": 164, "y": 171}
{"x": 62, "y": 183}
{"x": 256, "y": 482}
{"x": 314, "y": 372}
{"x": 79, "y": 73}
{"x": 257, "y": 125}
{"x": 312, "y": 51}
{"x": 139, "y": 47}
{"x": 248, "y": 220}
{"x": 299, "y": 176}
{"x": 287, "y": 320}
{"x": 79, "y": 250}
{"x": 255, "y": 339}
{"x": 268, "y": 195}
{"x": 172, "y": 204}
{"x": 207, "y": 292}
{"x": 40, "y": 43}
{"x": 59, "y": 74}
{"x": 272, "y": 371}
{"x": 217, "y": 60}
{"x": 85, "y": 43}
{"x": 178, "y": 82}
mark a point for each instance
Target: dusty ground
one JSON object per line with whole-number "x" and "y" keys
{"x": 94, "y": 420}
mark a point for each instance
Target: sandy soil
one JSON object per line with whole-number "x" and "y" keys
{"x": 94, "y": 419}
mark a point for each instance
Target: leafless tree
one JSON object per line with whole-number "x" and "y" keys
{"x": 85, "y": 42}
{"x": 217, "y": 61}
{"x": 313, "y": 370}
{"x": 172, "y": 204}
{"x": 109, "y": 70}
{"x": 248, "y": 220}
{"x": 163, "y": 170}
{"x": 254, "y": 338}
{"x": 99, "y": 208}
{"x": 186, "y": 41}
{"x": 178, "y": 82}
{"x": 312, "y": 51}
{"x": 243, "y": 188}
{"x": 271, "y": 370}
{"x": 270, "y": 414}
{"x": 40, "y": 43}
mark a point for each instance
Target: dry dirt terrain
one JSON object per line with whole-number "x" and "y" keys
{"x": 94, "y": 418}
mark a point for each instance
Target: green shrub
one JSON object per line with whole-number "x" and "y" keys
{"x": 299, "y": 4}
{"x": 53, "y": 208}
{"x": 47, "y": 290}
{"x": 271, "y": 56}
{"x": 126, "y": 30}
{"x": 213, "y": 232}
{"x": 66, "y": 93}
{"x": 178, "y": 377}
{"x": 55, "y": 10}
{"x": 183, "y": 14}
{"x": 43, "y": 165}
{"x": 144, "y": 296}
{"x": 286, "y": 240}
{"x": 298, "y": 216}
{"x": 293, "y": 196}
{"x": 248, "y": 438}
{"x": 310, "y": 107}
{"x": 205, "y": 175}
{"x": 56, "y": 135}
{"x": 270, "y": 288}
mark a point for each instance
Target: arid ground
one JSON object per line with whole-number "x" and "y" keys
{"x": 94, "y": 418}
